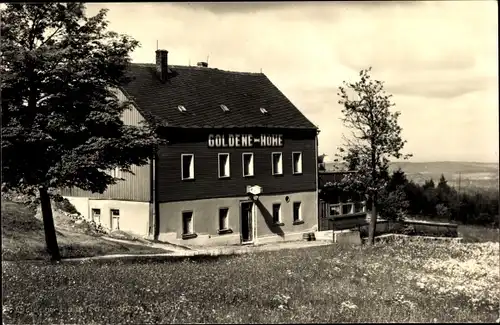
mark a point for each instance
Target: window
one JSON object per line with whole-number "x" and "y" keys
{"x": 277, "y": 213}
{"x": 223, "y": 219}
{"x": 187, "y": 166}
{"x": 224, "y": 165}
{"x": 96, "y": 215}
{"x": 297, "y": 162}
{"x": 247, "y": 164}
{"x": 115, "y": 219}
{"x": 277, "y": 163}
{"x": 297, "y": 213}
{"x": 347, "y": 208}
{"x": 187, "y": 223}
{"x": 335, "y": 209}
{"x": 359, "y": 207}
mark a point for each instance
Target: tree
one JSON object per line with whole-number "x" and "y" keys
{"x": 393, "y": 203}
{"x": 61, "y": 124}
{"x": 430, "y": 198}
{"x": 415, "y": 195}
{"x": 398, "y": 179}
{"x": 375, "y": 138}
{"x": 321, "y": 162}
{"x": 429, "y": 184}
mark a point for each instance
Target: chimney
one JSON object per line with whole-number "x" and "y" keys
{"x": 162, "y": 64}
{"x": 203, "y": 64}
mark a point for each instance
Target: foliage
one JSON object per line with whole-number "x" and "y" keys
{"x": 393, "y": 203}
{"x": 375, "y": 138}
{"x": 64, "y": 205}
{"x": 442, "y": 210}
{"x": 415, "y": 282}
{"x": 61, "y": 116}
{"x": 321, "y": 162}
{"x": 375, "y": 133}
{"x": 444, "y": 202}
{"x": 61, "y": 121}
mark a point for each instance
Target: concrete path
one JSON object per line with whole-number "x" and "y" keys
{"x": 212, "y": 251}
{"x": 165, "y": 246}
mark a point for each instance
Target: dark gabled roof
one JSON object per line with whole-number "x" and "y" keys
{"x": 202, "y": 90}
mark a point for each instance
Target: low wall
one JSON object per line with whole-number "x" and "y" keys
{"x": 406, "y": 238}
{"x": 339, "y": 236}
{"x": 413, "y": 227}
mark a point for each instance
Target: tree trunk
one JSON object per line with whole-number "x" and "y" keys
{"x": 373, "y": 221}
{"x": 48, "y": 225}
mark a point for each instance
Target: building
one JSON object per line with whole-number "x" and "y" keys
{"x": 338, "y": 210}
{"x": 239, "y": 167}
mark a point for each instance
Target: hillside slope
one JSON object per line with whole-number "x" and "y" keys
{"x": 470, "y": 174}
{"x": 23, "y": 236}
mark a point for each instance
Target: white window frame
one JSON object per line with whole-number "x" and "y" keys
{"x": 297, "y": 172}
{"x": 300, "y": 211}
{"x": 226, "y": 220}
{"x": 191, "y": 167}
{"x": 338, "y": 207}
{"x": 96, "y": 214}
{"x": 251, "y": 167}
{"x": 280, "y": 163}
{"x": 228, "y": 165}
{"x": 280, "y": 220}
{"x": 191, "y": 228}
{"x": 351, "y": 210}
{"x": 117, "y": 217}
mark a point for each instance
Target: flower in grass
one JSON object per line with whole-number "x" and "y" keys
{"x": 347, "y": 305}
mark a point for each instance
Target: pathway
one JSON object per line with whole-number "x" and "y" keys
{"x": 175, "y": 252}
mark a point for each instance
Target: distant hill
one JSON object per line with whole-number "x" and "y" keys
{"x": 469, "y": 173}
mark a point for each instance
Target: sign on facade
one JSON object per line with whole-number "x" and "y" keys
{"x": 245, "y": 140}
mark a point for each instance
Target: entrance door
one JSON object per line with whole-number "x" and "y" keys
{"x": 247, "y": 223}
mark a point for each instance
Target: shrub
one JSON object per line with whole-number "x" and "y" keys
{"x": 442, "y": 211}
{"x": 64, "y": 205}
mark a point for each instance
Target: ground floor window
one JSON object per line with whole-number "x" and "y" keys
{"x": 348, "y": 208}
{"x": 96, "y": 215}
{"x": 115, "y": 219}
{"x": 223, "y": 219}
{"x": 297, "y": 213}
{"x": 187, "y": 223}
{"x": 335, "y": 209}
{"x": 359, "y": 207}
{"x": 276, "y": 213}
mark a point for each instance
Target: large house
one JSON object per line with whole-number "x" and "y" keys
{"x": 239, "y": 166}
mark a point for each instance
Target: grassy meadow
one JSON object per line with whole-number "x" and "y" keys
{"x": 396, "y": 282}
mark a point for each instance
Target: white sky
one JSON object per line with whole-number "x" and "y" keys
{"x": 439, "y": 60}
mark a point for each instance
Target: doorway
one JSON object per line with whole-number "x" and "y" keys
{"x": 247, "y": 223}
